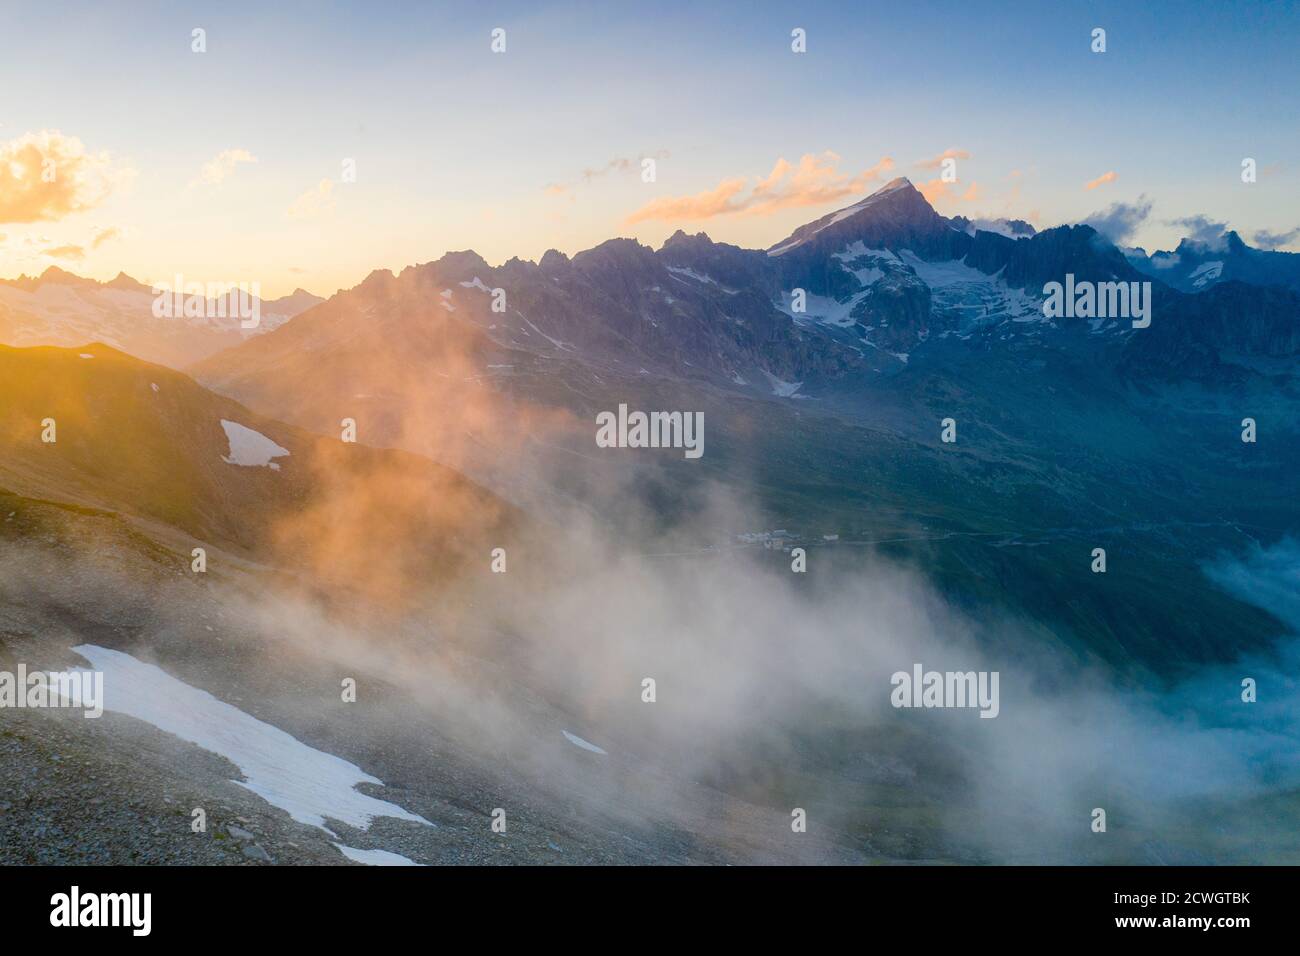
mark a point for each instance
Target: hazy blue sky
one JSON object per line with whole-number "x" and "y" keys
{"x": 457, "y": 147}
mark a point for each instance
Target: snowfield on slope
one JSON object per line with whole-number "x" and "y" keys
{"x": 1205, "y": 273}
{"x": 584, "y": 744}
{"x": 250, "y": 448}
{"x": 310, "y": 785}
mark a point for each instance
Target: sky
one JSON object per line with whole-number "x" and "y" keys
{"x": 229, "y": 165}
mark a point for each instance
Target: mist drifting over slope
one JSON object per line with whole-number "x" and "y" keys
{"x": 771, "y": 688}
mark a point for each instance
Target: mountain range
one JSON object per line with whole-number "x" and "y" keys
{"x": 880, "y": 277}
{"x": 1197, "y": 264}
{"x": 828, "y": 369}
{"x": 826, "y": 419}
{"x": 59, "y": 308}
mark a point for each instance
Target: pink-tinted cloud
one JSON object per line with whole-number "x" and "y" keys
{"x": 1103, "y": 179}
{"x": 66, "y": 252}
{"x": 814, "y": 181}
{"x": 103, "y": 235}
{"x": 719, "y": 201}
{"x": 936, "y": 191}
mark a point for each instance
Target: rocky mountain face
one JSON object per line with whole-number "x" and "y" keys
{"x": 901, "y": 307}
{"x": 1011, "y": 228}
{"x": 896, "y": 215}
{"x": 1048, "y": 256}
{"x": 620, "y": 304}
{"x": 882, "y": 283}
{"x": 62, "y": 309}
{"x": 1219, "y": 337}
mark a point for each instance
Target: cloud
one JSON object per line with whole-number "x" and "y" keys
{"x": 318, "y": 201}
{"x": 719, "y": 201}
{"x": 46, "y": 176}
{"x": 34, "y": 247}
{"x": 66, "y": 252}
{"x": 936, "y": 190}
{"x": 1202, "y": 229}
{"x": 1102, "y": 180}
{"x": 1119, "y": 221}
{"x": 223, "y": 166}
{"x": 103, "y": 235}
{"x": 619, "y": 164}
{"x": 1275, "y": 240}
{"x": 815, "y": 181}
{"x": 937, "y": 161}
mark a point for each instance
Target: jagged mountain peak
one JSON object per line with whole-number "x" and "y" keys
{"x": 681, "y": 237}
{"x": 898, "y": 182}
{"x": 681, "y": 242}
{"x": 615, "y": 251}
{"x": 1229, "y": 242}
{"x": 126, "y": 283}
{"x": 461, "y": 261}
{"x": 1199, "y": 263}
{"x": 553, "y": 260}
{"x": 299, "y": 301}
{"x": 895, "y": 209}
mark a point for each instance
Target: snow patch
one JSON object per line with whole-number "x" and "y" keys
{"x": 556, "y": 342}
{"x": 584, "y": 744}
{"x": 691, "y": 273}
{"x": 308, "y": 784}
{"x": 251, "y": 448}
{"x": 375, "y": 857}
{"x": 679, "y": 271}
{"x": 822, "y": 308}
{"x": 971, "y": 296}
{"x": 780, "y": 249}
{"x": 1206, "y": 273}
